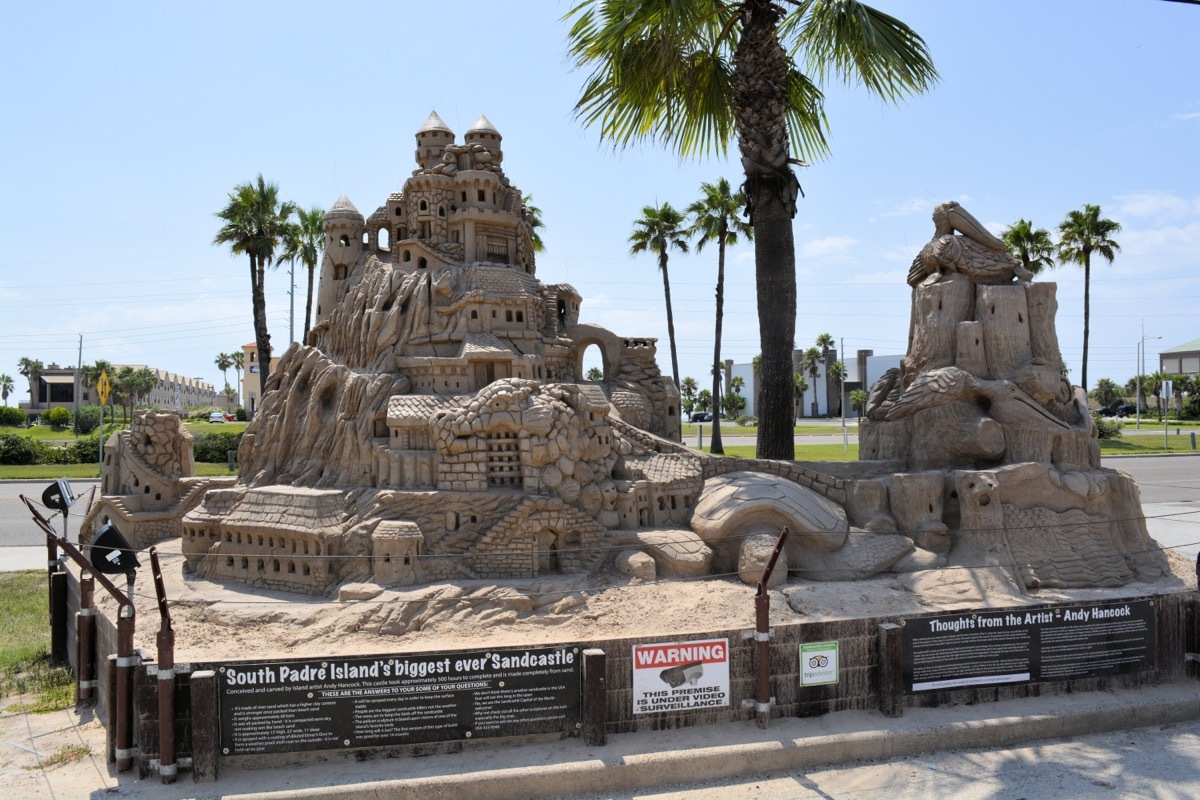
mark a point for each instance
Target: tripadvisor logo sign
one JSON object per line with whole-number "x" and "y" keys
{"x": 818, "y": 663}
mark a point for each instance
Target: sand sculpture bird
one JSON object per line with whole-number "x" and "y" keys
{"x": 1005, "y": 400}
{"x": 976, "y": 253}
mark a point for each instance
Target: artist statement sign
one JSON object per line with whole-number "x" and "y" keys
{"x": 1028, "y": 645}
{"x": 287, "y": 706}
{"x": 680, "y": 676}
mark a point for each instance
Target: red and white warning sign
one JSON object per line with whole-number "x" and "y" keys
{"x": 678, "y": 676}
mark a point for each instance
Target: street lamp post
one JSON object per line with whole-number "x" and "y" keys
{"x": 1141, "y": 368}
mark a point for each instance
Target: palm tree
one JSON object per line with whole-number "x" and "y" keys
{"x": 812, "y": 363}
{"x": 1031, "y": 246}
{"x": 836, "y": 375}
{"x": 1106, "y": 392}
{"x": 303, "y": 241}
{"x": 688, "y": 389}
{"x": 6, "y": 387}
{"x": 32, "y": 369}
{"x": 90, "y": 374}
{"x": 695, "y": 74}
{"x": 717, "y": 217}
{"x": 1081, "y": 234}
{"x": 595, "y": 374}
{"x": 658, "y": 230}
{"x": 224, "y": 361}
{"x": 800, "y": 386}
{"x": 858, "y": 401}
{"x": 704, "y": 400}
{"x": 239, "y": 363}
{"x": 254, "y": 224}
{"x": 533, "y": 215}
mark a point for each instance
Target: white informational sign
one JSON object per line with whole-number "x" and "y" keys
{"x": 680, "y": 676}
{"x": 818, "y": 663}
{"x": 1168, "y": 390}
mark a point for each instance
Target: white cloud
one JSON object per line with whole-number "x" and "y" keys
{"x": 826, "y": 247}
{"x": 1156, "y": 204}
{"x": 1187, "y": 116}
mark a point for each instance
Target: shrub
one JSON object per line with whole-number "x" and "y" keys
{"x": 20, "y": 450}
{"x": 213, "y": 448}
{"x": 58, "y": 417}
{"x": 85, "y": 449}
{"x": 87, "y": 420}
{"x": 748, "y": 421}
{"x": 1108, "y": 428}
{"x": 240, "y": 414}
{"x": 11, "y": 416}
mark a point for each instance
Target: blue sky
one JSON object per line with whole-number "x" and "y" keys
{"x": 124, "y": 125}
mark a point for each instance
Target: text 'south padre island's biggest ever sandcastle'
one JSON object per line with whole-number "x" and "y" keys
{"x": 436, "y": 427}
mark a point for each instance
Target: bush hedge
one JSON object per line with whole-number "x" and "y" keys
{"x": 87, "y": 420}
{"x": 213, "y": 448}
{"x": 11, "y": 416}
{"x": 16, "y": 450}
{"x": 57, "y": 416}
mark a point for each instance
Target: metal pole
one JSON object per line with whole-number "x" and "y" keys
{"x": 125, "y": 663}
{"x": 762, "y": 637}
{"x": 85, "y": 622}
{"x": 166, "y": 678}
{"x": 1137, "y": 400}
{"x": 292, "y": 302}
{"x": 842, "y": 395}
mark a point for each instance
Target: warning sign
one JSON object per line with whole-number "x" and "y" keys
{"x": 680, "y": 676}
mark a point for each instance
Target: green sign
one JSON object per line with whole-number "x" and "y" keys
{"x": 818, "y": 663}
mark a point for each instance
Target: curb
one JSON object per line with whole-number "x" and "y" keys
{"x": 658, "y": 760}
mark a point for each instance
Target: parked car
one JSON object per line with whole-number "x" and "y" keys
{"x": 1126, "y": 411}
{"x": 216, "y": 416}
{"x": 701, "y": 416}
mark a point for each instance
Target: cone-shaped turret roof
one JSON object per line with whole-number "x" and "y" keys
{"x": 435, "y": 123}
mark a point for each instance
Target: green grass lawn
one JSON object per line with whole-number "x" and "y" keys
{"x": 25, "y": 645}
{"x": 33, "y": 472}
{"x": 689, "y": 429}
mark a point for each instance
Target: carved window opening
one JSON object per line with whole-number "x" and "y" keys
{"x": 481, "y": 195}
{"x": 464, "y": 197}
{"x": 407, "y": 255}
{"x": 441, "y": 211}
{"x": 422, "y": 264}
{"x": 398, "y": 212}
{"x": 339, "y": 272}
{"x": 344, "y": 241}
{"x": 424, "y": 206}
{"x": 508, "y": 315}
{"x": 503, "y": 460}
{"x": 474, "y": 314}
{"x": 383, "y": 239}
{"x": 520, "y": 316}
{"x": 229, "y": 561}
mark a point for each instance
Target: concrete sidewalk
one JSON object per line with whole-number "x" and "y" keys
{"x": 630, "y": 762}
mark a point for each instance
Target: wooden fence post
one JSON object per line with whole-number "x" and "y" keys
{"x": 206, "y": 729}
{"x": 595, "y": 698}
{"x": 891, "y": 669}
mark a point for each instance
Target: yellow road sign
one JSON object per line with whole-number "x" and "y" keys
{"x": 103, "y": 387}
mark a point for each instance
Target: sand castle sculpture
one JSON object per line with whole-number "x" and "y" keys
{"x": 436, "y": 427}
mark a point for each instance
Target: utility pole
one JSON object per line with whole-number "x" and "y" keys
{"x": 78, "y": 386}
{"x": 292, "y": 303}
{"x": 842, "y": 395}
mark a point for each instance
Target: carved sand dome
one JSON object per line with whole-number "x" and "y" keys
{"x": 432, "y": 139}
{"x": 343, "y": 210}
{"x": 484, "y": 132}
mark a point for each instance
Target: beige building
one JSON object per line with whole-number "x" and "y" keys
{"x": 251, "y": 395}
{"x": 57, "y": 387}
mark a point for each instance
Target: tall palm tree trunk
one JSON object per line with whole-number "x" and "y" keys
{"x": 715, "y": 445}
{"x": 662, "y": 265}
{"x": 261, "y": 338}
{"x": 760, "y": 100}
{"x": 1087, "y": 315}
{"x": 308, "y": 306}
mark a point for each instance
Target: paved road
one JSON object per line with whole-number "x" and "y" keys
{"x": 22, "y": 545}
